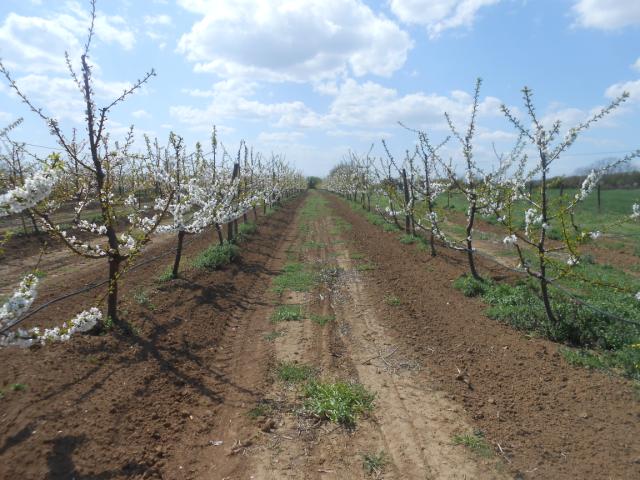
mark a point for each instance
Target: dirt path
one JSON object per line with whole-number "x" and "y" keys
{"x": 411, "y": 426}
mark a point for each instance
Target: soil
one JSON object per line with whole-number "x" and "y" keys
{"x": 176, "y": 398}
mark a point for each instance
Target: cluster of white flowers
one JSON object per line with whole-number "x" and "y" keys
{"x": 573, "y": 261}
{"x": 638, "y": 296}
{"x": 531, "y": 217}
{"x": 83, "y": 322}
{"x": 19, "y": 302}
{"x": 635, "y": 211}
{"x": 595, "y": 235}
{"x": 91, "y": 227}
{"x": 589, "y": 184}
{"x": 510, "y": 239}
{"x": 34, "y": 190}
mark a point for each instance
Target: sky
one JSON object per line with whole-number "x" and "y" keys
{"x": 313, "y": 79}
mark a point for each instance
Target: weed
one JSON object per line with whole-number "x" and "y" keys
{"x": 271, "y": 336}
{"x": 294, "y": 277}
{"x": 287, "y": 313}
{"x": 390, "y": 227}
{"x": 291, "y": 372}
{"x": 322, "y": 320}
{"x": 470, "y": 286}
{"x": 245, "y": 230}
{"x": 374, "y": 463}
{"x": 107, "y": 324}
{"x": 142, "y": 298}
{"x": 475, "y": 442}
{"x": 339, "y": 402}
{"x": 392, "y": 300}
{"x": 356, "y": 256}
{"x": 18, "y": 387}
{"x": 216, "y": 256}
{"x": 313, "y": 245}
{"x": 166, "y": 275}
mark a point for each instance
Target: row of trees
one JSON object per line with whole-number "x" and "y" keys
{"x": 519, "y": 181}
{"x": 136, "y": 194}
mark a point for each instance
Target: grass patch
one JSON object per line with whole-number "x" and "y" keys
{"x": 271, "y": 336}
{"x": 363, "y": 267}
{"x": 408, "y": 239}
{"x": 245, "y": 230}
{"x": 474, "y": 442}
{"x": 339, "y": 402}
{"x": 18, "y": 387}
{"x": 295, "y": 277}
{"x": 374, "y": 463}
{"x": 166, "y": 275}
{"x": 287, "y": 313}
{"x": 392, "y": 301}
{"x": 216, "y": 256}
{"x": 356, "y": 256}
{"x": 390, "y": 227}
{"x": 291, "y": 372}
{"x": 322, "y": 320}
{"x": 342, "y": 225}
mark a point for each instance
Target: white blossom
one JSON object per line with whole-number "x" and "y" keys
{"x": 510, "y": 240}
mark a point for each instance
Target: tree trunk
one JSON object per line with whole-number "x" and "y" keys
{"x": 220, "y": 237}
{"x": 112, "y": 298}
{"x": 469, "y": 230}
{"x": 405, "y": 187}
{"x": 230, "y": 231}
{"x": 176, "y": 262}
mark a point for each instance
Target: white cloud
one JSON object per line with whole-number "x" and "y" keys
{"x": 37, "y": 44}
{"x": 377, "y": 106}
{"x": 280, "y": 137}
{"x": 281, "y": 40}
{"x": 439, "y": 15}
{"x": 632, "y": 87}
{"x": 5, "y": 117}
{"x": 157, "y": 20}
{"x": 637, "y": 65}
{"x": 354, "y": 105}
{"x": 60, "y": 96}
{"x": 141, "y": 114}
{"x": 607, "y": 14}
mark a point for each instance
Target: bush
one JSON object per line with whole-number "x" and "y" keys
{"x": 216, "y": 256}
{"x": 469, "y": 286}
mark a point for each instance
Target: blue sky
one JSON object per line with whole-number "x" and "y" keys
{"x": 314, "y": 78}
